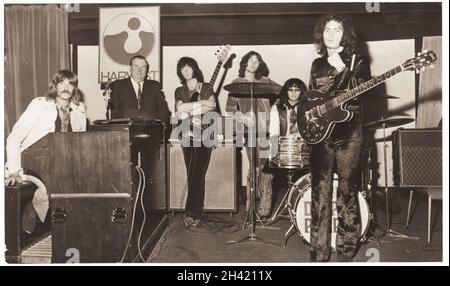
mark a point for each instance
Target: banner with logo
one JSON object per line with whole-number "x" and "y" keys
{"x": 125, "y": 32}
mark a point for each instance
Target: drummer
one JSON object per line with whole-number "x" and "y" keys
{"x": 283, "y": 122}
{"x": 252, "y": 69}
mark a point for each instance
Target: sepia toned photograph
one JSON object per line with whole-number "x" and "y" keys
{"x": 295, "y": 133}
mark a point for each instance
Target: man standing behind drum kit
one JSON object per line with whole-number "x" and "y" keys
{"x": 335, "y": 40}
{"x": 252, "y": 68}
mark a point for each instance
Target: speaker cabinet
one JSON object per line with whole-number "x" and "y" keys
{"x": 220, "y": 186}
{"x": 418, "y": 158}
{"x": 16, "y": 241}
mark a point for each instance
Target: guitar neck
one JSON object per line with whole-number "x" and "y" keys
{"x": 216, "y": 72}
{"x": 354, "y": 92}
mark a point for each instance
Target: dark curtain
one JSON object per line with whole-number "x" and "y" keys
{"x": 36, "y": 46}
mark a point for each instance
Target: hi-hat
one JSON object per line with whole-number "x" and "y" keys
{"x": 388, "y": 122}
{"x": 257, "y": 87}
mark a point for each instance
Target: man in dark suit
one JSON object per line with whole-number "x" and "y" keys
{"x": 137, "y": 97}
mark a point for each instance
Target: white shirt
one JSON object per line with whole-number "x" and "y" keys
{"x": 274, "y": 126}
{"x": 37, "y": 121}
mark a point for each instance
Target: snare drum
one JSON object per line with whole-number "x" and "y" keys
{"x": 293, "y": 152}
{"x": 299, "y": 206}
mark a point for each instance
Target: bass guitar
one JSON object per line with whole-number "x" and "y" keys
{"x": 206, "y": 91}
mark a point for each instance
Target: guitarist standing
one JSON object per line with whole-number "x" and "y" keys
{"x": 192, "y": 98}
{"x": 340, "y": 67}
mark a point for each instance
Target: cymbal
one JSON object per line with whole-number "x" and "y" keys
{"x": 388, "y": 122}
{"x": 258, "y": 88}
{"x": 376, "y": 96}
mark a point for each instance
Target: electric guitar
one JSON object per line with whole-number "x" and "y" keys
{"x": 318, "y": 112}
{"x": 207, "y": 90}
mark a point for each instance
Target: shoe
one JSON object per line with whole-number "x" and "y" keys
{"x": 196, "y": 222}
{"x": 312, "y": 256}
{"x": 29, "y": 219}
{"x": 190, "y": 221}
{"x": 343, "y": 258}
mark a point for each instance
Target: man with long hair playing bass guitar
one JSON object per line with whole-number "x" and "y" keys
{"x": 196, "y": 158}
{"x": 339, "y": 67}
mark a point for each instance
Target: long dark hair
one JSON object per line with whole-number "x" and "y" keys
{"x": 288, "y": 84}
{"x": 59, "y": 77}
{"x": 262, "y": 70}
{"x": 187, "y": 61}
{"x": 348, "y": 39}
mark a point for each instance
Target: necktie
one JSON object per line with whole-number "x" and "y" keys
{"x": 139, "y": 96}
{"x": 293, "y": 129}
{"x": 63, "y": 113}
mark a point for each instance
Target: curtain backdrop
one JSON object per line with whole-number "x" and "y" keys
{"x": 36, "y": 46}
{"x": 429, "y": 111}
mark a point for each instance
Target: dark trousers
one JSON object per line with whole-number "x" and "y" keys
{"x": 340, "y": 155}
{"x": 196, "y": 160}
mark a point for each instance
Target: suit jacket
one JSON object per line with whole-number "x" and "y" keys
{"x": 124, "y": 101}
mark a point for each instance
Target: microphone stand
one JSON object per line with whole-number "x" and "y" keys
{"x": 108, "y": 109}
{"x": 108, "y": 103}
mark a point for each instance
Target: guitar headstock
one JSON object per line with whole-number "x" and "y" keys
{"x": 420, "y": 61}
{"x": 222, "y": 52}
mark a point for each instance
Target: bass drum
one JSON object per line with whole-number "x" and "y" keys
{"x": 299, "y": 206}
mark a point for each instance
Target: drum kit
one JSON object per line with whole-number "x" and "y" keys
{"x": 294, "y": 156}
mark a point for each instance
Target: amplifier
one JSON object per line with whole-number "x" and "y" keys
{"x": 417, "y": 158}
{"x": 220, "y": 185}
{"x": 16, "y": 241}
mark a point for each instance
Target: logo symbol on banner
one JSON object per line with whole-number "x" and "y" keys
{"x": 128, "y": 35}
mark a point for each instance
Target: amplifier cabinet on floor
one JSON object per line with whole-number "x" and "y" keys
{"x": 220, "y": 186}
{"x": 418, "y": 158}
{"x": 16, "y": 198}
{"x": 103, "y": 209}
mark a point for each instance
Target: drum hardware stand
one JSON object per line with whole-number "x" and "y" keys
{"x": 252, "y": 213}
{"x": 289, "y": 233}
{"x": 278, "y": 214}
{"x": 367, "y": 181}
{"x": 389, "y": 232}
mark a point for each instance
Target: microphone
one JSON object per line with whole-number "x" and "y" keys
{"x": 107, "y": 87}
{"x": 107, "y": 91}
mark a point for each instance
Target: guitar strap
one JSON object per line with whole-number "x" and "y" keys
{"x": 342, "y": 79}
{"x": 354, "y": 81}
